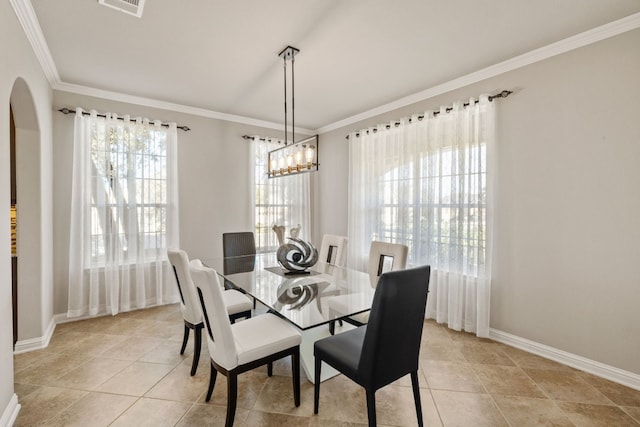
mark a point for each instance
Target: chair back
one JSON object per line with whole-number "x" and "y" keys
{"x": 392, "y": 340}
{"x": 189, "y": 304}
{"x": 220, "y": 342}
{"x": 238, "y": 244}
{"x": 333, "y": 250}
{"x": 385, "y": 257}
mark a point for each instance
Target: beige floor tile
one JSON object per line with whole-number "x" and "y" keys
{"x": 132, "y": 348}
{"x": 566, "y": 386}
{"x": 44, "y": 403}
{"x": 168, "y": 353}
{"x": 128, "y": 327}
{"x": 164, "y": 329}
{"x": 633, "y": 412}
{"x": 136, "y": 379}
{"x": 507, "y": 380}
{"x": 49, "y": 368}
{"x": 619, "y": 394}
{"x": 94, "y": 344}
{"x": 588, "y": 415}
{"x": 449, "y": 352}
{"x": 24, "y": 360}
{"x": 530, "y": 412}
{"x": 94, "y": 409}
{"x": 342, "y": 400}
{"x": 433, "y": 333}
{"x": 207, "y": 415}
{"x": 277, "y": 396}
{"x": 91, "y": 373}
{"x": 467, "y": 409}
{"x": 152, "y": 413}
{"x": 396, "y": 406}
{"x": 527, "y": 360}
{"x": 23, "y": 390}
{"x": 485, "y": 353}
{"x": 454, "y": 376}
{"x": 66, "y": 340}
{"x": 464, "y": 380}
{"x": 315, "y": 421}
{"x": 430, "y": 414}
{"x": 250, "y": 385}
{"x": 179, "y": 385}
{"x": 266, "y": 419}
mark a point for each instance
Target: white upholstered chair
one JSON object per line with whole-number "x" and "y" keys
{"x": 385, "y": 257}
{"x": 245, "y": 345}
{"x": 333, "y": 250}
{"x": 236, "y": 303}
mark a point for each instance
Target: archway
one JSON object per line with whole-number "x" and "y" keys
{"x": 28, "y": 195}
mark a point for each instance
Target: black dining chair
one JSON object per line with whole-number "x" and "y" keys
{"x": 241, "y": 243}
{"x": 238, "y": 244}
{"x": 387, "y": 348}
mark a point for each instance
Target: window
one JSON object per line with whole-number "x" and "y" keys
{"x": 124, "y": 214}
{"x": 129, "y": 192}
{"x": 278, "y": 201}
{"x": 426, "y": 182}
{"x": 443, "y": 214}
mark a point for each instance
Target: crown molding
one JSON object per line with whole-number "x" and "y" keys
{"x": 594, "y": 35}
{"x": 155, "y": 103}
{"x": 29, "y": 21}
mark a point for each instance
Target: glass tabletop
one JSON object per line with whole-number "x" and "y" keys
{"x": 327, "y": 293}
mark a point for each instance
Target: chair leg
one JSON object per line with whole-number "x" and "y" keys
{"x": 416, "y": 396}
{"x": 316, "y": 385}
{"x": 196, "y": 349}
{"x": 270, "y": 369}
{"x": 212, "y": 382}
{"x": 371, "y": 407}
{"x": 232, "y": 396}
{"x": 185, "y": 338}
{"x": 295, "y": 371}
{"x": 332, "y": 327}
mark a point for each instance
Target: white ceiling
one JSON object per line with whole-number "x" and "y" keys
{"x": 355, "y": 55}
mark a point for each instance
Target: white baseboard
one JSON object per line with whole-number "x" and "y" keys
{"x": 38, "y": 343}
{"x": 611, "y": 373}
{"x": 10, "y": 413}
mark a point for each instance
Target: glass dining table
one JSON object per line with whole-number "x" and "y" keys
{"x": 308, "y": 301}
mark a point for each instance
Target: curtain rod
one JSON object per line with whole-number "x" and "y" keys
{"x": 501, "y": 94}
{"x": 66, "y": 110}
{"x": 263, "y": 138}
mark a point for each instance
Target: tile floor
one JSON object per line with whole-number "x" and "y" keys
{"x": 127, "y": 371}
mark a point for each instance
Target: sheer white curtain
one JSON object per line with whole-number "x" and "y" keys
{"x": 427, "y": 182}
{"x": 124, "y": 214}
{"x": 278, "y": 201}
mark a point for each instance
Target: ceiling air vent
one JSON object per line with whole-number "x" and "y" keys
{"x": 131, "y": 7}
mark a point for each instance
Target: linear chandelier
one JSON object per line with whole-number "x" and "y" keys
{"x": 294, "y": 157}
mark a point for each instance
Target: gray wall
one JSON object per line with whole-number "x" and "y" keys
{"x": 568, "y": 197}
{"x": 23, "y": 84}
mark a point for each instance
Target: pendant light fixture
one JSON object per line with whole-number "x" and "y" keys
{"x": 294, "y": 157}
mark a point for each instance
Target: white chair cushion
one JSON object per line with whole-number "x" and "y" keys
{"x": 263, "y": 335}
{"x": 236, "y": 301}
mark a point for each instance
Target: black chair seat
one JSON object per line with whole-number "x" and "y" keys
{"x": 342, "y": 351}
